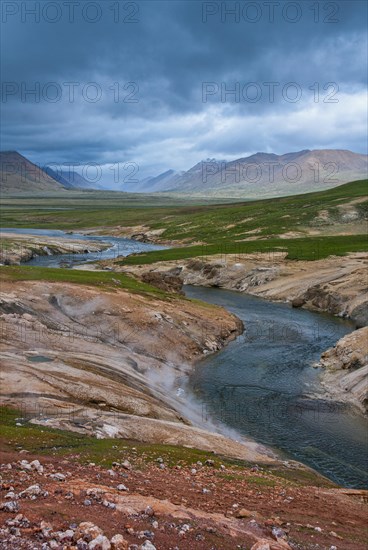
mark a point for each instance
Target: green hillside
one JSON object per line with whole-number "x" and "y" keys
{"x": 310, "y": 225}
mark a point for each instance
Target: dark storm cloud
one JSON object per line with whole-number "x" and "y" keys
{"x": 169, "y": 54}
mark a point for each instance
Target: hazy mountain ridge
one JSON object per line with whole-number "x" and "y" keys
{"x": 20, "y": 175}
{"x": 71, "y": 179}
{"x": 154, "y": 183}
{"x": 258, "y": 175}
{"x": 267, "y": 174}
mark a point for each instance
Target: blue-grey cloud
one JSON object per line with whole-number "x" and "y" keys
{"x": 173, "y": 66}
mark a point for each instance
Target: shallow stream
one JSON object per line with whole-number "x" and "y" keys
{"x": 263, "y": 385}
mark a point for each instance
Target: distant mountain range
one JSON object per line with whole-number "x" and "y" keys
{"x": 259, "y": 175}
{"x": 262, "y": 174}
{"x": 20, "y": 175}
{"x": 70, "y": 179}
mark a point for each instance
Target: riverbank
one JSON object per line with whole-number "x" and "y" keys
{"x": 335, "y": 285}
{"x": 94, "y": 330}
{"x": 107, "y": 361}
{"x": 17, "y": 248}
{"x": 346, "y": 369}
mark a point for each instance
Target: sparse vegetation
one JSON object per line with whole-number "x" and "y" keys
{"x": 297, "y": 249}
{"x": 237, "y": 228}
{"x": 43, "y": 440}
{"x": 102, "y": 279}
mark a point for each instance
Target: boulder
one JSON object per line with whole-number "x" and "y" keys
{"x": 33, "y": 490}
{"x": 11, "y": 506}
{"x": 87, "y": 531}
{"x": 100, "y": 543}
{"x": 118, "y": 542}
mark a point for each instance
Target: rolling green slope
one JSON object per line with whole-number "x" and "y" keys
{"x": 266, "y": 218}
{"x": 311, "y": 225}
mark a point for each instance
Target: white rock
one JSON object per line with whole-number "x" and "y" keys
{"x": 118, "y": 542}
{"x": 87, "y": 530}
{"x": 11, "y": 506}
{"x": 36, "y": 465}
{"x": 58, "y": 477}
{"x": 99, "y": 543}
{"x": 33, "y": 490}
{"x": 65, "y": 535}
{"x": 147, "y": 545}
{"x": 110, "y": 431}
{"x": 109, "y": 504}
{"x": 25, "y": 465}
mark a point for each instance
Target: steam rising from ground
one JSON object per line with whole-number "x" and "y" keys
{"x": 174, "y": 382}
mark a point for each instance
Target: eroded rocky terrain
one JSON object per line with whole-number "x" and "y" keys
{"x": 147, "y": 503}
{"x": 16, "y": 248}
{"x": 346, "y": 365}
{"x": 337, "y": 285}
{"x": 111, "y": 362}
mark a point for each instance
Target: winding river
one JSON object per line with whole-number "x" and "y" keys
{"x": 263, "y": 384}
{"x": 119, "y": 247}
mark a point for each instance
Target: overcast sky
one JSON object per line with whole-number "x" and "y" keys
{"x": 149, "y": 82}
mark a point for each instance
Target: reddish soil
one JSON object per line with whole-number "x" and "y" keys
{"x": 307, "y": 517}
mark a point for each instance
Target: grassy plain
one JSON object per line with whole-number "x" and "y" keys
{"x": 309, "y": 226}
